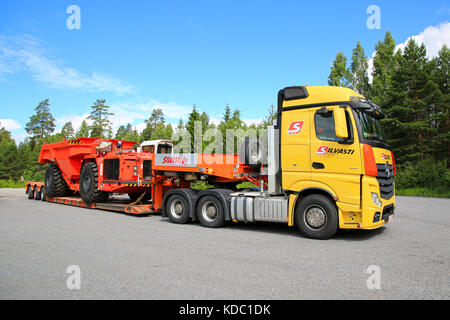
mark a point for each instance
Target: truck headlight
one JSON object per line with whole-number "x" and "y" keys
{"x": 376, "y": 200}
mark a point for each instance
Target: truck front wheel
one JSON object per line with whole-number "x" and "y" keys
{"x": 89, "y": 184}
{"x": 316, "y": 217}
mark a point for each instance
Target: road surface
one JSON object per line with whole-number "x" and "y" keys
{"x": 126, "y": 257}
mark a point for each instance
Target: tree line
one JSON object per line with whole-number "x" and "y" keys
{"x": 413, "y": 92}
{"x": 411, "y": 89}
{"x": 19, "y": 162}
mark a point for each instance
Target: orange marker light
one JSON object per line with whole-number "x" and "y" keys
{"x": 370, "y": 165}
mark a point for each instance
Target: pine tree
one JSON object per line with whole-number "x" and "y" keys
{"x": 227, "y": 113}
{"x": 340, "y": 75}
{"x": 408, "y": 111}
{"x": 83, "y": 131}
{"x": 157, "y": 116}
{"x": 384, "y": 65}
{"x": 121, "y": 132}
{"x": 442, "y": 114}
{"x": 67, "y": 131}
{"x": 101, "y": 126}
{"x": 359, "y": 69}
{"x": 41, "y": 124}
{"x": 10, "y": 166}
{"x": 268, "y": 121}
{"x": 193, "y": 129}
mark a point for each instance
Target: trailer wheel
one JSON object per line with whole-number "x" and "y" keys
{"x": 37, "y": 194}
{"x": 43, "y": 194}
{"x": 89, "y": 184}
{"x": 177, "y": 209}
{"x": 210, "y": 212}
{"x": 30, "y": 193}
{"x": 316, "y": 217}
{"x": 54, "y": 182}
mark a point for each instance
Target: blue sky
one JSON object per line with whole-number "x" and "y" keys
{"x": 139, "y": 55}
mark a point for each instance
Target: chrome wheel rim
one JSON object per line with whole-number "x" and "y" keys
{"x": 315, "y": 217}
{"x": 209, "y": 211}
{"x": 177, "y": 208}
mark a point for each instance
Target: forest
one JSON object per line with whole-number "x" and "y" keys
{"x": 411, "y": 88}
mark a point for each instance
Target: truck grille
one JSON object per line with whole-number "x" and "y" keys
{"x": 385, "y": 178}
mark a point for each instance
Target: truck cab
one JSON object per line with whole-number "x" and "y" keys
{"x": 333, "y": 148}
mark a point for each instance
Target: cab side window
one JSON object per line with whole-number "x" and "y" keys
{"x": 324, "y": 124}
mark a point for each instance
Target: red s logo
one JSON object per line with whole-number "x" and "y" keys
{"x": 322, "y": 150}
{"x": 295, "y": 127}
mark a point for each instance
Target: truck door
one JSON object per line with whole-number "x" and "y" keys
{"x": 295, "y": 147}
{"x": 335, "y": 161}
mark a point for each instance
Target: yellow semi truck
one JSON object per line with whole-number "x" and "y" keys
{"x": 325, "y": 165}
{"x": 335, "y": 165}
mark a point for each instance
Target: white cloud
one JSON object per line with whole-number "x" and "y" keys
{"x": 30, "y": 54}
{"x": 433, "y": 37}
{"x": 134, "y": 113}
{"x": 75, "y": 119}
{"x": 10, "y": 124}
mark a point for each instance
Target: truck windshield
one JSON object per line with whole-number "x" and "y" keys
{"x": 370, "y": 126}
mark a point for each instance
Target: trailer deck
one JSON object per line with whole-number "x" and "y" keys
{"x": 118, "y": 205}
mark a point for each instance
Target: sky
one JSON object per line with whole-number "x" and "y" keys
{"x": 145, "y": 54}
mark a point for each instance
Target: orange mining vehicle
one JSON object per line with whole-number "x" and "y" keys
{"x": 96, "y": 168}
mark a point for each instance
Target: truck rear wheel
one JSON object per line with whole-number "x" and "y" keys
{"x": 89, "y": 184}
{"x": 177, "y": 209}
{"x": 210, "y": 212}
{"x": 54, "y": 182}
{"x": 316, "y": 217}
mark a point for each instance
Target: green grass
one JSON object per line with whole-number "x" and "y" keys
{"x": 423, "y": 192}
{"x": 12, "y": 184}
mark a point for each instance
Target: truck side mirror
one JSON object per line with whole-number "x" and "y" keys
{"x": 340, "y": 123}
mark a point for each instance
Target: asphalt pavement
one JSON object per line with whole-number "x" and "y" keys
{"x": 117, "y": 256}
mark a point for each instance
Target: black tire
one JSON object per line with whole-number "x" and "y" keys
{"x": 210, "y": 212}
{"x": 43, "y": 194}
{"x": 89, "y": 185}
{"x": 37, "y": 194}
{"x": 177, "y": 209}
{"x": 316, "y": 217}
{"x": 30, "y": 193}
{"x": 135, "y": 196}
{"x": 253, "y": 153}
{"x": 54, "y": 182}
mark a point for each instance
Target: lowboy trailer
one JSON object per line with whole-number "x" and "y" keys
{"x": 325, "y": 167}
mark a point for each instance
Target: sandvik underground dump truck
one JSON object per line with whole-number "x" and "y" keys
{"x": 325, "y": 167}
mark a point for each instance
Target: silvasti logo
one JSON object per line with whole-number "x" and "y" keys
{"x": 295, "y": 127}
{"x": 325, "y": 149}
